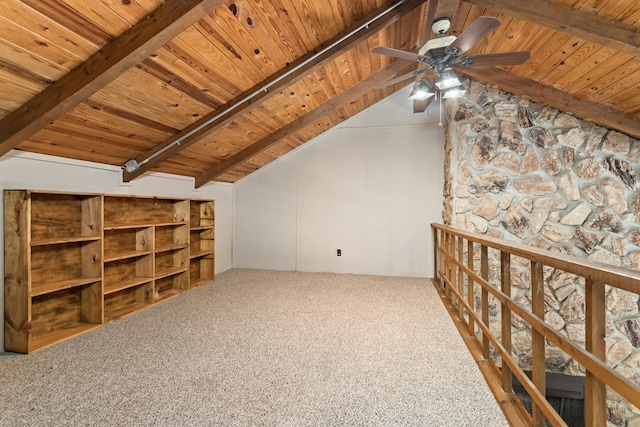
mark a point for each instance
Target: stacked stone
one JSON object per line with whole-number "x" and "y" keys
{"x": 522, "y": 171}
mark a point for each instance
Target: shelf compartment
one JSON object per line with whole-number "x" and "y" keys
{"x": 201, "y": 242}
{"x": 54, "y": 337}
{"x": 67, "y": 262}
{"x": 125, "y": 284}
{"x": 126, "y": 255}
{"x": 169, "y": 238}
{"x": 61, "y": 215}
{"x": 127, "y": 272}
{"x": 49, "y": 287}
{"x": 200, "y": 254}
{"x": 171, "y": 286}
{"x": 64, "y": 240}
{"x": 170, "y": 272}
{"x": 201, "y": 271}
{"x": 126, "y": 241}
{"x": 121, "y": 312}
{"x": 171, "y": 248}
{"x": 120, "y": 210}
{"x": 201, "y": 213}
{"x": 128, "y": 300}
{"x": 64, "y": 314}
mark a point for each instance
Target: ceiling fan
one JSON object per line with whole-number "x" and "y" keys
{"x": 446, "y": 51}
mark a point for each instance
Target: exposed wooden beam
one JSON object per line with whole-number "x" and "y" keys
{"x": 138, "y": 42}
{"x": 582, "y": 108}
{"x": 343, "y": 98}
{"x": 588, "y": 26}
{"x": 245, "y": 102}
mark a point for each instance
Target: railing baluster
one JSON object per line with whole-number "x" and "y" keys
{"x": 596, "y": 394}
{"x": 538, "y": 369}
{"x": 460, "y": 259}
{"x": 436, "y": 254}
{"x": 505, "y": 314}
{"x": 484, "y": 273}
{"x": 471, "y": 296}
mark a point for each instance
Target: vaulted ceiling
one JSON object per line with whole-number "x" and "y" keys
{"x": 217, "y": 89}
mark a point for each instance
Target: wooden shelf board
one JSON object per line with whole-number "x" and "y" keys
{"x": 54, "y": 337}
{"x": 201, "y": 228}
{"x": 63, "y": 240}
{"x": 124, "y": 311}
{"x": 167, "y": 295}
{"x": 49, "y": 287}
{"x": 171, "y": 248}
{"x": 125, "y": 284}
{"x": 170, "y": 272}
{"x": 125, "y": 255}
{"x": 171, "y": 224}
{"x": 126, "y": 226}
{"x": 200, "y": 254}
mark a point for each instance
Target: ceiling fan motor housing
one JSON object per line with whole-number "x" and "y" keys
{"x": 434, "y": 48}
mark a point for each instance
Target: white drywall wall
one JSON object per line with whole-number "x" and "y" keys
{"x": 369, "y": 187}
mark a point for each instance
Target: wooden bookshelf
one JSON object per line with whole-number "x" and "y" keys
{"x": 53, "y": 267}
{"x": 201, "y": 241}
{"x": 76, "y": 261}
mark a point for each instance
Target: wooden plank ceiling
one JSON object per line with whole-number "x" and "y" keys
{"x": 217, "y": 89}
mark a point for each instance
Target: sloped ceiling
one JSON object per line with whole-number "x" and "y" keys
{"x": 217, "y": 89}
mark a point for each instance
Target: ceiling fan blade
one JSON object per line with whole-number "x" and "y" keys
{"x": 399, "y": 79}
{"x": 481, "y": 28}
{"x": 396, "y": 53}
{"x": 504, "y": 58}
{"x": 420, "y": 105}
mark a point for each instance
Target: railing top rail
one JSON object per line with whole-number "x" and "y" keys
{"x": 620, "y": 277}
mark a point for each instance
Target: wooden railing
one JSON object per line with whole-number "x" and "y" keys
{"x": 458, "y": 281}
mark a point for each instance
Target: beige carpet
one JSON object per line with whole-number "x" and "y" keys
{"x": 261, "y": 348}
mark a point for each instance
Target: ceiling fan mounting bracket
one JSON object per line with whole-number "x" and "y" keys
{"x": 441, "y": 25}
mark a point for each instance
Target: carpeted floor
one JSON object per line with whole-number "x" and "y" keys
{"x": 261, "y": 348}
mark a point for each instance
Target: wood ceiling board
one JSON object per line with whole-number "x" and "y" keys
{"x": 133, "y": 11}
{"x": 31, "y": 61}
{"x": 37, "y": 45}
{"x": 72, "y": 19}
{"x": 571, "y": 61}
{"x": 100, "y": 69}
{"x": 151, "y": 159}
{"x": 305, "y": 122}
{"x": 597, "y": 29}
{"x": 609, "y": 80}
{"x": 151, "y": 99}
{"x": 215, "y": 80}
{"x": 100, "y": 15}
{"x": 177, "y": 82}
{"x": 47, "y": 29}
{"x": 584, "y": 72}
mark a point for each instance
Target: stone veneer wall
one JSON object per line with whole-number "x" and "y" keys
{"x": 522, "y": 171}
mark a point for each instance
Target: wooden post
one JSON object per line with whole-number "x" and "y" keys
{"x": 436, "y": 254}
{"x": 505, "y": 312}
{"x": 538, "y": 369}
{"x": 484, "y": 273}
{"x": 595, "y": 390}
{"x": 471, "y": 297}
{"x": 460, "y": 259}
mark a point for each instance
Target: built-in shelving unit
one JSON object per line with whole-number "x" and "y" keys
{"x": 76, "y": 261}
{"x": 202, "y": 240}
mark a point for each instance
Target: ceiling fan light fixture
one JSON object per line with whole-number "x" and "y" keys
{"x": 446, "y": 79}
{"x": 455, "y": 92}
{"x": 421, "y": 90}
